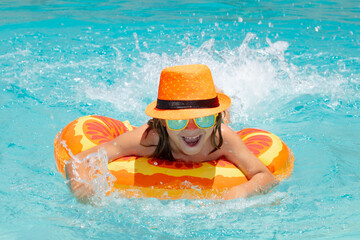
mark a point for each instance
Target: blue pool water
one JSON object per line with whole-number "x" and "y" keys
{"x": 290, "y": 68}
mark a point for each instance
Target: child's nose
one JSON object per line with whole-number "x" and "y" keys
{"x": 191, "y": 125}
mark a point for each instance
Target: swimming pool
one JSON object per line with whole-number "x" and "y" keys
{"x": 290, "y": 68}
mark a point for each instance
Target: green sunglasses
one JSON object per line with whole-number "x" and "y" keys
{"x": 201, "y": 122}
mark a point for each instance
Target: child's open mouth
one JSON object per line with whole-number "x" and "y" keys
{"x": 192, "y": 141}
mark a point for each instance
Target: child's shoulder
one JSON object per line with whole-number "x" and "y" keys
{"x": 148, "y": 136}
{"x": 227, "y": 131}
{"x": 230, "y": 137}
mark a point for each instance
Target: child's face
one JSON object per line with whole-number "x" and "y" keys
{"x": 191, "y": 139}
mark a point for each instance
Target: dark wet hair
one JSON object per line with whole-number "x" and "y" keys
{"x": 163, "y": 148}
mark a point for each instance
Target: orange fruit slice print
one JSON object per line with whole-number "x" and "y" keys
{"x": 104, "y": 130}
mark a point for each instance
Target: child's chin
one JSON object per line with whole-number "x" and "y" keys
{"x": 191, "y": 149}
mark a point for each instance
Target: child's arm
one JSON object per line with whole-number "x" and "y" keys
{"x": 260, "y": 178}
{"x": 77, "y": 171}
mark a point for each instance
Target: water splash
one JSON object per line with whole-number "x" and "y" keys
{"x": 260, "y": 76}
{"x": 98, "y": 178}
{"x": 176, "y": 218}
{"x": 256, "y": 78}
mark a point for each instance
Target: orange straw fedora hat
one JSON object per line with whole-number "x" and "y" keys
{"x": 185, "y": 92}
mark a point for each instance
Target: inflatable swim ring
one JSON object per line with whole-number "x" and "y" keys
{"x": 165, "y": 179}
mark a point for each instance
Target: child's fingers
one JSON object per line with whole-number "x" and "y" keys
{"x": 81, "y": 190}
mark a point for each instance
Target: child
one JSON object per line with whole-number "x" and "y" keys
{"x": 186, "y": 126}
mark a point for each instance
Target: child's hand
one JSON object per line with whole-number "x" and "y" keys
{"x": 79, "y": 180}
{"x": 253, "y": 187}
{"x": 236, "y": 192}
{"x": 82, "y": 191}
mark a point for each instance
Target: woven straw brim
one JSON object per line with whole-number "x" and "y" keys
{"x": 180, "y": 114}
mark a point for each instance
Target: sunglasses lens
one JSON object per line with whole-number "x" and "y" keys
{"x": 205, "y": 122}
{"x": 176, "y": 124}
